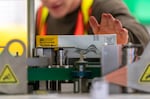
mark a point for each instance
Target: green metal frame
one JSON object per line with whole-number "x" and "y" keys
{"x": 36, "y": 74}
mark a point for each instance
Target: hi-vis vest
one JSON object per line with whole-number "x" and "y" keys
{"x": 81, "y": 23}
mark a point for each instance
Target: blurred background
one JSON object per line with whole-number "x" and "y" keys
{"x": 13, "y": 17}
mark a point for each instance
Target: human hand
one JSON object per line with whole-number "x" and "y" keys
{"x": 109, "y": 25}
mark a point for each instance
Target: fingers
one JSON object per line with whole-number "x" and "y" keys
{"x": 94, "y": 25}
{"x": 109, "y": 25}
{"x": 110, "y": 21}
{"x": 104, "y": 20}
{"x": 117, "y": 26}
{"x": 122, "y": 33}
{"x": 122, "y": 36}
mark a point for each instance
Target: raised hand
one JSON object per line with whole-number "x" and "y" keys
{"x": 109, "y": 25}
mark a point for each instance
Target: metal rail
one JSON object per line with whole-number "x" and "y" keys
{"x": 30, "y": 26}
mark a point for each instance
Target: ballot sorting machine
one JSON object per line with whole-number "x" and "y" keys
{"x": 67, "y": 63}
{"x": 62, "y": 63}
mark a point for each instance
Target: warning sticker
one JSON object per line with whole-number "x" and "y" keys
{"x": 46, "y": 41}
{"x": 7, "y": 76}
{"x": 145, "y": 78}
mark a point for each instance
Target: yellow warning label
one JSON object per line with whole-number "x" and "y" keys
{"x": 7, "y": 76}
{"x": 46, "y": 41}
{"x": 146, "y": 75}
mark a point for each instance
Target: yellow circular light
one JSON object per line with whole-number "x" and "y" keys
{"x": 16, "y": 49}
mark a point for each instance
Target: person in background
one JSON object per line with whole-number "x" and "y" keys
{"x": 79, "y": 17}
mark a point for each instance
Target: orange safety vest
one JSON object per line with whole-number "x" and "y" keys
{"x": 81, "y": 24}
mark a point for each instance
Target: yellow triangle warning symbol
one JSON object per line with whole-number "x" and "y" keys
{"x": 146, "y": 75}
{"x": 7, "y": 76}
